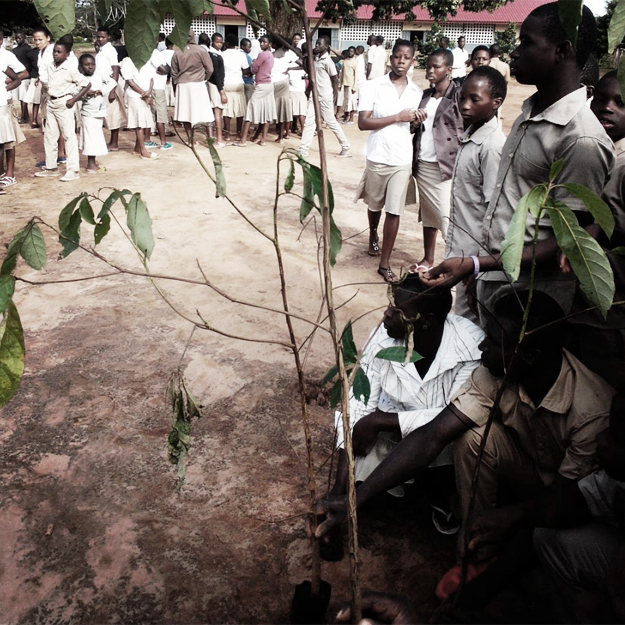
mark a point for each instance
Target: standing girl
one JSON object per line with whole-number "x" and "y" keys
{"x": 261, "y": 109}
{"x": 388, "y": 105}
{"x": 436, "y": 143}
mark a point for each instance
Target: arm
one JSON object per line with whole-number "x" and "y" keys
{"x": 14, "y": 80}
{"x": 335, "y": 85}
{"x": 366, "y": 122}
{"x": 81, "y": 94}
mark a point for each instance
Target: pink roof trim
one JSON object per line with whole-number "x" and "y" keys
{"x": 515, "y": 11}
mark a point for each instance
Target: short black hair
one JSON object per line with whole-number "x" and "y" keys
{"x": 379, "y": 39}
{"x": 447, "y": 55}
{"x": 84, "y": 57}
{"x": 68, "y": 41}
{"x": 403, "y": 43}
{"x": 161, "y": 36}
{"x": 215, "y": 35}
{"x": 244, "y": 41}
{"x": 436, "y": 300}
{"x": 42, "y": 29}
{"x": 116, "y": 33}
{"x": 496, "y": 82}
{"x": 480, "y": 49}
{"x": 267, "y": 38}
{"x": 590, "y": 72}
{"x": 553, "y": 29}
{"x": 325, "y": 38}
{"x": 232, "y": 40}
{"x": 495, "y": 50}
{"x": 104, "y": 29}
{"x": 203, "y": 39}
{"x": 66, "y": 46}
{"x": 360, "y": 49}
{"x": 544, "y": 315}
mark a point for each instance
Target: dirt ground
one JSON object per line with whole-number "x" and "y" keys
{"x": 94, "y": 530}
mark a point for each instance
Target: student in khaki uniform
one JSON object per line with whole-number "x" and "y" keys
{"x": 63, "y": 81}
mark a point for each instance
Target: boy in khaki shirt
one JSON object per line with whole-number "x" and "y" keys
{"x": 63, "y": 79}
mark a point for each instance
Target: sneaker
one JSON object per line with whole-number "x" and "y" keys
{"x": 47, "y": 173}
{"x": 166, "y": 146}
{"x": 69, "y": 176}
{"x": 150, "y": 145}
{"x": 7, "y": 181}
{"x": 302, "y": 153}
{"x": 40, "y": 165}
{"x": 61, "y": 160}
{"x": 344, "y": 153}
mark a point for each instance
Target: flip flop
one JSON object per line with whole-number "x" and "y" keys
{"x": 152, "y": 157}
{"x": 387, "y": 274}
{"x": 374, "y": 247}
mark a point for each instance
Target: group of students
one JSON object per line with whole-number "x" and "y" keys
{"x": 546, "y": 418}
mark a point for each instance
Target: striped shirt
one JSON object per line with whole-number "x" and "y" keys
{"x": 400, "y": 389}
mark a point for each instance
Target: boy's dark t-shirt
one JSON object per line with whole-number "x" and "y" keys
{"x": 32, "y": 67}
{"x": 122, "y": 53}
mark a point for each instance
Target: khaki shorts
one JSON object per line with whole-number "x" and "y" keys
{"x": 215, "y": 96}
{"x": 386, "y": 186}
{"x": 159, "y": 105}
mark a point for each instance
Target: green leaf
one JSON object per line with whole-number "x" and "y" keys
{"x": 10, "y": 260}
{"x": 259, "y": 6}
{"x": 183, "y": 12}
{"x": 336, "y": 241}
{"x": 588, "y": 260}
{"x": 140, "y": 224}
{"x": 110, "y": 200}
{"x": 86, "y": 212}
{"x": 7, "y": 288}
{"x": 142, "y": 25}
{"x": 33, "y": 248}
{"x": 397, "y": 354}
{"x": 70, "y": 237}
{"x": 58, "y": 15}
{"x": 308, "y": 195}
{"x": 290, "y": 178}
{"x": 66, "y": 214}
{"x": 616, "y": 31}
{"x": 361, "y": 387}
{"x": 618, "y": 250}
{"x": 571, "y": 17}
{"x": 350, "y": 352}
{"x": 335, "y": 394}
{"x": 102, "y": 228}
{"x": 220, "y": 186}
{"x": 595, "y": 205}
{"x": 332, "y": 372}
{"x": 555, "y": 170}
{"x": 11, "y": 353}
{"x": 514, "y": 241}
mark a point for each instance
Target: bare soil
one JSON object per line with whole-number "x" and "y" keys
{"x": 94, "y": 530}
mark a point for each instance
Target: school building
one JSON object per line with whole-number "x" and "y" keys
{"x": 478, "y": 28}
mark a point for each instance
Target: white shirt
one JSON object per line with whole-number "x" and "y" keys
{"x": 157, "y": 59}
{"x": 400, "y": 389}
{"x": 427, "y": 151}
{"x": 376, "y": 56}
{"x": 325, "y": 69}
{"x": 7, "y": 60}
{"x": 235, "y": 61}
{"x": 391, "y": 145}
{"x": 278, "y": 71}
{"x": 44, "y": 60}
{"x": 129, "y": 71}
{"x": 106, "y": 59}
{"x": 459, "y": 68}
{"x": 361, "y": 70}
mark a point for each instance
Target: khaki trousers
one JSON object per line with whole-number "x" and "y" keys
{"x": 327, "y": 114}
{"x": 61, "y": 121}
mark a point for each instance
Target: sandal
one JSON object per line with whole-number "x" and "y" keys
{"x": 374, "y": 247}
{"x": 387, "y": 274}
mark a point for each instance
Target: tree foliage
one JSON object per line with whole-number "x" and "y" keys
{"x": 507, "y": 39}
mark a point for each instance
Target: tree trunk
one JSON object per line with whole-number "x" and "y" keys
{"x": 283, "y": 22}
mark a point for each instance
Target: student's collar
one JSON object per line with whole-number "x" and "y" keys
{"x": 560, "y": 396}
{"x": 560, "y": 112}
{"x": 480, "y": 135}
{"x": 322, "y": 56}
{"x": 619, "y": 146}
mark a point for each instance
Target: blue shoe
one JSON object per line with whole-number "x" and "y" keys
{"x": 150, "y": 145}
{"x": 41, "y": 164}
{"x": 61, "y": 160}
{"x": 166, "y": 146}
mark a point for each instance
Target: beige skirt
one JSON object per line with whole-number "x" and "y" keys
{"x": 116, "y": 111}
{"x": 299, "y": 103}
{"x": 387, "y": 186}
{"x": 282, "y": 96}
{"x": 434, "y": 197}
{"x": 193, "y": 104}
{"x": 262, "y": 106}
{"x": 92, "y": 142}
{"x": 7, "y": 133}
{"x": 236, "y": 105}
{"x": 33, "y": 95}
{"x": 139, "y": 114}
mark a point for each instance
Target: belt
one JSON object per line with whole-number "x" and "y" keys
{"x": 58, "y": 97}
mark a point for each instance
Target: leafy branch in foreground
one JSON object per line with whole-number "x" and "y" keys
{"x": 588, "y": 260}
